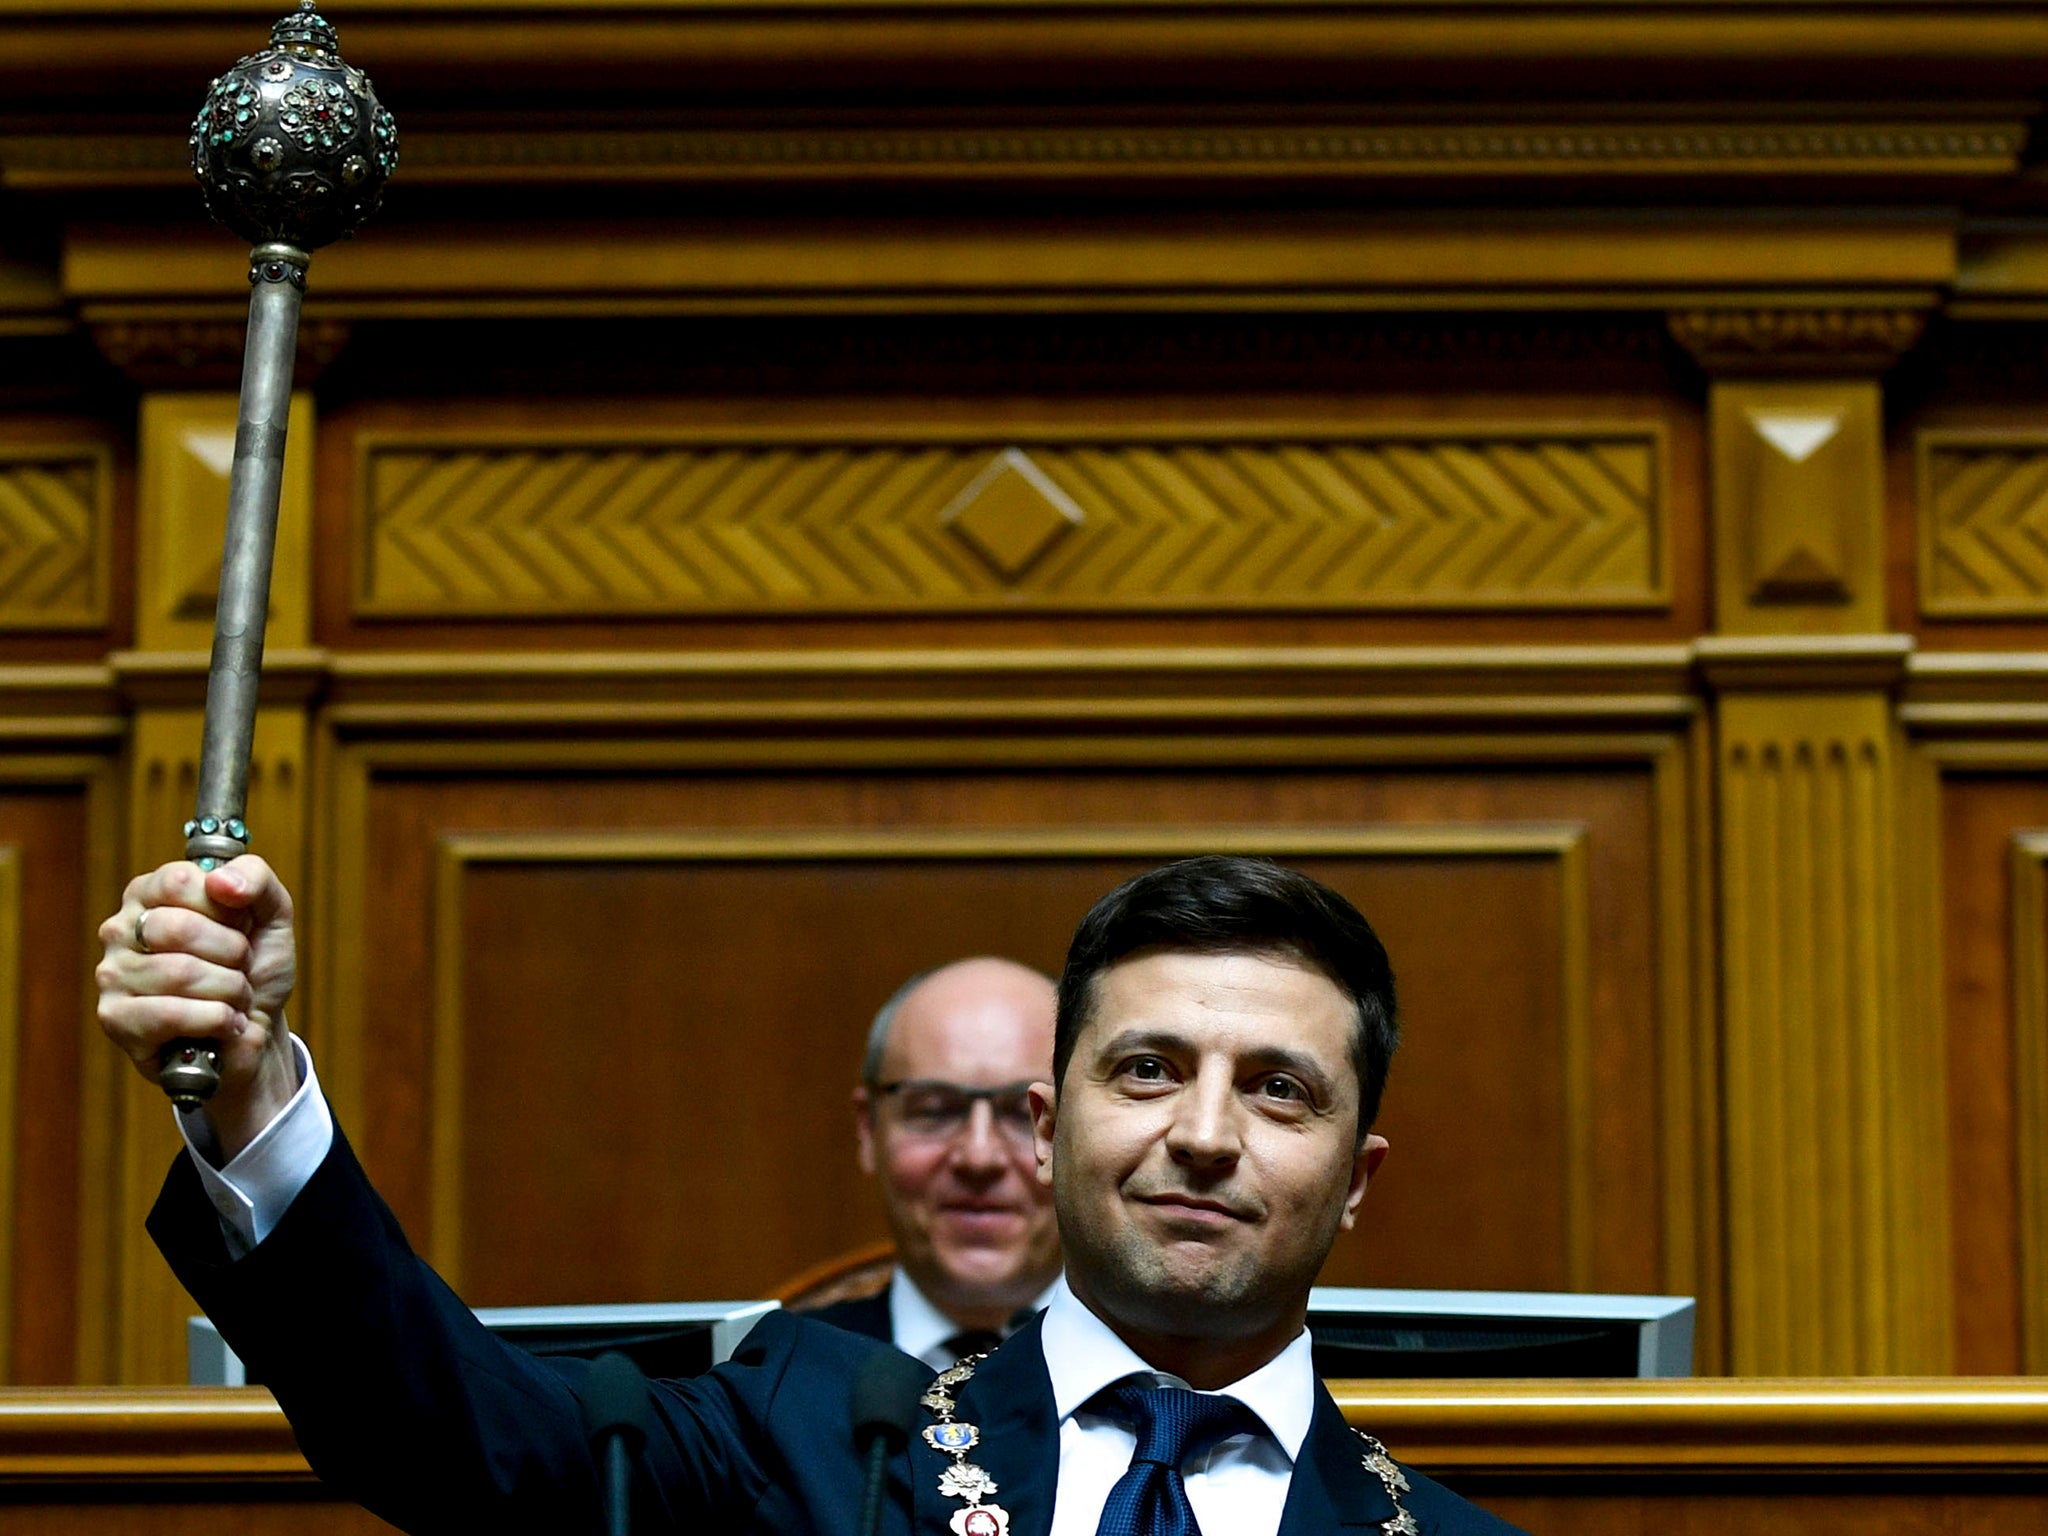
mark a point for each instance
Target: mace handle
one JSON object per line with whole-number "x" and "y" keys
{"x": 292, "y": 149}
{"x": 190, "y": 1069}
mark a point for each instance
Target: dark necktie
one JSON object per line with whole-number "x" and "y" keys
{"x": 1151, "y": 1499}
{"x": 971, "y": 1341}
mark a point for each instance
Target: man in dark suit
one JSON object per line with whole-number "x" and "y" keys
{"x": 1224, "y": 1032}
{"x": 942, "y": 1123}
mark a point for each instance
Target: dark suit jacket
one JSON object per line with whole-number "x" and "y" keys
{"x": 867, "y": 1316}
{"x": 403, "y": 1402}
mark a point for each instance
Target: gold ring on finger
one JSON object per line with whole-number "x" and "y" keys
{"x": 142, "y": 943}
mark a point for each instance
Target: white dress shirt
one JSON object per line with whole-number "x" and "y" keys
{"x": 252, "y": 1191}
{"x": 1237, "y": 1487}
{"x": 919, "y": 1328}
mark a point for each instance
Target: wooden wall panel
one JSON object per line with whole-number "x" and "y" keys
{"x": 56, "y": 517}
{"x": 66, "y": 531}
{"x": 46, "y": 918}
{"x": 926, "y": 371}
{"x": 1982, "y": 814}
{"x": 578, "y": 940}
{"x": 1147, "y": 514}
{"x": 1962, "y": 500}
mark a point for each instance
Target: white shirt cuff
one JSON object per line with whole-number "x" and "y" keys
{"x": 253, "y": 1191}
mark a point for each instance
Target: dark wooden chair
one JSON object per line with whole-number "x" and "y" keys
{"x": 849, "y": 1276}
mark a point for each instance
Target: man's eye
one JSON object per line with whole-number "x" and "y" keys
{"x": 1284, "y": 1089}
{"x": 1146, "y": 1069}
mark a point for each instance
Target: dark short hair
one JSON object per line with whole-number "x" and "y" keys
{"x": 1221, "y": 904}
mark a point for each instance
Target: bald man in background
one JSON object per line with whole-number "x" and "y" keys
{"x": 943, "y": 1121}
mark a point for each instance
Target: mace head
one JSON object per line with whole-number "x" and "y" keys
{"x": 292, "y": 146}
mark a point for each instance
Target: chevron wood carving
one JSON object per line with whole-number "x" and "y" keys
{"x": 1511, "y": 519}
{"x": 1983, "y": 524}
{"x": 55, "y": 502}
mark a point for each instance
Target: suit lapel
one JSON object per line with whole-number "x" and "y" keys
{"x": 1010, "y": 1402}
{"x": 1331, "y": 1487}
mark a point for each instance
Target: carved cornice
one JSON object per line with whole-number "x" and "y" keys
{"x": 1771, "y": 342}
{"x": 426, "y": 47}
{"x": 1124, "y": 256}
{"x": 174, "y": 679}
{"x": 919, "y": 691}
{"x": 920, "y": 151}
{"x": 1795, "y": 663}
{"x": 205, "y": 354}
{"x": 1977, "y": 694}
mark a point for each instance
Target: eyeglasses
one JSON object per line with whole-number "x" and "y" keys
{"x": 935, "y": 1111}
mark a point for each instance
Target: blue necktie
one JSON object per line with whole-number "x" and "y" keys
{"x": 1151, "y": 1499}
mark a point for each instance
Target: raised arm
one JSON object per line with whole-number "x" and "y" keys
{"x": 396, "y": 1394}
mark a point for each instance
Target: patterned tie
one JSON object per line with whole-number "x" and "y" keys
{"x": 971, "y": 1341}
{"x": 1151, "y": 1499}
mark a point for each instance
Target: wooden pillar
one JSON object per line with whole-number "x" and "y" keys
{"x": 186, "y": 443}
{"x": 1834, "y": 1143}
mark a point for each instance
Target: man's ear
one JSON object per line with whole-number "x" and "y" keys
{"x": 1366, "y": 1163}
{"x": 864, "y": 1128}
{"x": 1045, "y": 1112}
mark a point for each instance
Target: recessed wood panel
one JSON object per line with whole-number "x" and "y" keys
{"x": 931, "y": 497}
{"x": 678, "y": 1036}
{"x": 567, "y": 522}
{"x": 737, "y": 1033}
{"x": 1980, "y": 815}
{"x": 56, "y": 522}
{"x": 44, "y": 830}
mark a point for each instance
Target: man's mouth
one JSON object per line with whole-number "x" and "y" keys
{"x": 968, "y": 1211}
{"x": 1195, "y": 1208}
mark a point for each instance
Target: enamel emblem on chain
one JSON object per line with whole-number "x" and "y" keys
{"x": 1383, "y": 1467}
{"x": 963, "y": 1479}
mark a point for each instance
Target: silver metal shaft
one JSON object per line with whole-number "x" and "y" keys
{"x": 190, "y": 1069}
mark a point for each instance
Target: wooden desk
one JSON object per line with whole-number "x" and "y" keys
{"x": 1820, "y": 1458}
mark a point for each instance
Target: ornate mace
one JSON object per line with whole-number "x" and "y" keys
{"x": 293, "y": 150}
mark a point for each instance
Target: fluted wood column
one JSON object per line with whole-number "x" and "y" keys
{"x": 1836, "y": 1249}
{"x": 1831, "y": 1066}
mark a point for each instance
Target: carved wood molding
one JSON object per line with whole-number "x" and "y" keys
{"x": 591, "y": 525}
{"x": 2027, "y": 871}
{"x": 1523, "y": 688}
{"x": 56, "y": 515}
{"x": 10, "y": 1079}
{"x": 203, "y": 353}
{"x": 1982, "y": 516}
{"x": 1705, "y": 1429}
{"x": 1837, "y": 1254}
{"x": 1112, "y": 254}
{"x": 1923, "y": 1429}
{"x": 1798, "y": 505}
{"x": 1523, "y": 45}
{"x": 1264, "y": 145}
{"x": 1772, "y": 341}
{"x": 1975, "y": 694}
{"x": 1809, "y": 663}
{"x": 184, "y": 456}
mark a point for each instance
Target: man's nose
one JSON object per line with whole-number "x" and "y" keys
{"x": 979, "y": 1144}
{"x": 1206, "y": 1131}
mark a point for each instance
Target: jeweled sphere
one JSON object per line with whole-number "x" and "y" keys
{"x": 292, "y": 144}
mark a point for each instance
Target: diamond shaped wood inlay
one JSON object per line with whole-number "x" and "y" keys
{"x": 1011, "y": 514}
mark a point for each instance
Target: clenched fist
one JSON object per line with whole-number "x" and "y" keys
{"x": 206, "y": 955}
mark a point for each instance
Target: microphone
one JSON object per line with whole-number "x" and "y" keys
{"x": 616, "y": 1416}
{"x": 884, "y": 1411}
